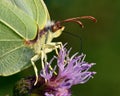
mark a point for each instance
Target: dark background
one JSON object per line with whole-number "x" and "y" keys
{"x": 100, "y": 42}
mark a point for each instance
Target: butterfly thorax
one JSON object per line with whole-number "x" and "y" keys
{"x": 45, "y": 36}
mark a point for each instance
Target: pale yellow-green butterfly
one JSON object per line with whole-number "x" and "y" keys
{"x": 26, "y": 34}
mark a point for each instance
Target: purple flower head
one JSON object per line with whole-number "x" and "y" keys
{"x": 70, "y": 71}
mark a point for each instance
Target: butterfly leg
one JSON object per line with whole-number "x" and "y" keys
{"x": 53, "y": 46}
{"x": 48, "y": 48}
{"x": 58, "y": 46}
{"x": 44, "y": 52}
{"x": 43, "y": 61}
{"x": 33, "y": 59}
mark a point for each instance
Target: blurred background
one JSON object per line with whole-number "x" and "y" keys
{"x": 100, "y": 42}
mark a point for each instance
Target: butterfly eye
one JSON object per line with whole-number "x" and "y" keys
{"x": 56, "y": 26}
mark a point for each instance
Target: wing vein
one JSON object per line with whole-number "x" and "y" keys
{"x": 11, "y": 51}
{"x": 10, "y": 40}
{"x": 5, "y": 23}
{"x": 37, "y": 15}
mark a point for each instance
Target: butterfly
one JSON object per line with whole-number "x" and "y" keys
{"x": 26, "y": 34}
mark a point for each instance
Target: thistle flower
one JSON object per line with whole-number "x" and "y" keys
{"x": 71, "y": 71}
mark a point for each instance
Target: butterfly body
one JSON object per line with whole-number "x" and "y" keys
{"x": 26, "y": 34}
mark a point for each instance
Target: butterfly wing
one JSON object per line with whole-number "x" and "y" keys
{"x": 15, "y": 28}
{"x": 36, "y": 9}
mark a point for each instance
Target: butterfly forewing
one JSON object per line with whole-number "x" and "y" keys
{"x": 36, "y": 9}
{"x": 15, "y": 28}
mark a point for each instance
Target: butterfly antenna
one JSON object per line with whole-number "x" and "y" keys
{"x": 77, "y": 36}
{"x": 58, "y": 24}
{"x": 77, "y": 20}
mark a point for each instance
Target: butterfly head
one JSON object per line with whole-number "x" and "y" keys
{"x": 56, "y": 29}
